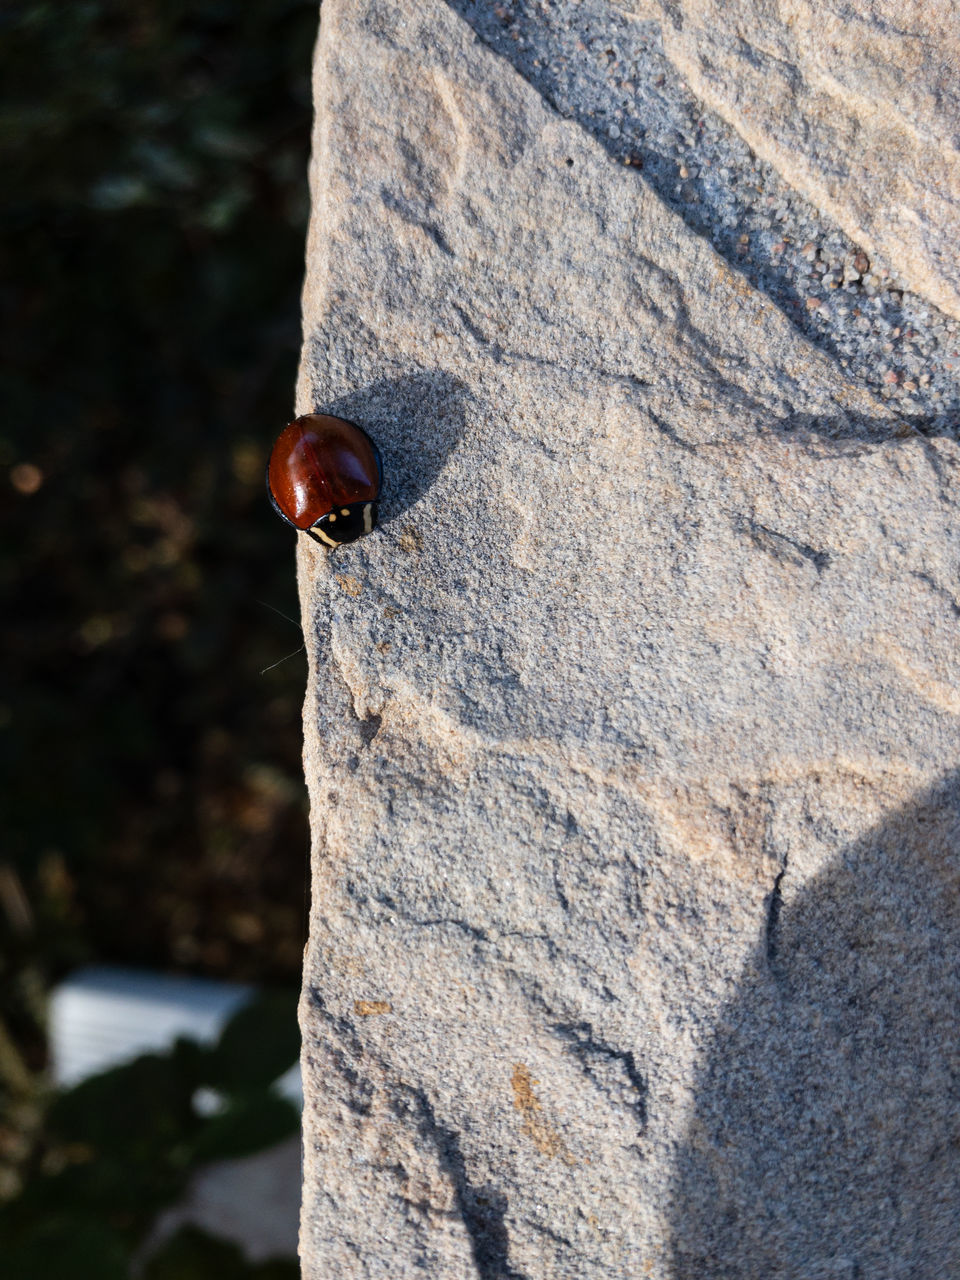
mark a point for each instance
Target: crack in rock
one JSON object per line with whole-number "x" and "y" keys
{"x": 614, "y": 1071}
{"x": 482, "y": 1209}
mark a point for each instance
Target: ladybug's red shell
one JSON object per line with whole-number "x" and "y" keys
{"x": 320, "y": 463}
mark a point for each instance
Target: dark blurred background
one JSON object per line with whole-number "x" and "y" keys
{"x": 154, "y": 160}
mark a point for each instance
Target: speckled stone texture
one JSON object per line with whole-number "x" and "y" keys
{"x": 857, "y": 103}
{"x": 635, "y": 935}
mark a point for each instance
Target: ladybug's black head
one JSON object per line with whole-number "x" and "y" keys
{"x": 346, "y": 524}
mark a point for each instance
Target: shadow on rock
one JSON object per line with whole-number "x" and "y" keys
{"x": 826, "y": 1139}
{"x": 416, "y": 420}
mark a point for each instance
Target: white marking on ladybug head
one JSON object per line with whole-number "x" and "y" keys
{"x": 368, "y": 517}
{"x": 318, "y": 532}
{"x": 343, "y": 511}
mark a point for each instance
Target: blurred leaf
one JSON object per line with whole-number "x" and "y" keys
{"x": 128, "y": 1109}
{"x": 276, "y": 1269}
{"x": 122, "y": 1145}
{"x": 77, "y": 1248}
{"x": 259, "y": 1043}
{"x": 192, "y": 1254}
{"x": 249, "y": 1124}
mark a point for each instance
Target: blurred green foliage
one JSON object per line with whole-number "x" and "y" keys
{"x": 151, "y": 257}
{"x": 121, "y": 1146}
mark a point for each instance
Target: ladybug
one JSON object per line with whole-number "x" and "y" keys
{"x": 324, "y": 477}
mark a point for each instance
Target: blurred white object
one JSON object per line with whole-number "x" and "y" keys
{"x": 102, "y": 1017}
{"x": 254, "y": 1201}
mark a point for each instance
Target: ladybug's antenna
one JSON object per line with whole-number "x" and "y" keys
{"x": 274, "y": 609}
{"x": 279, "y": 660}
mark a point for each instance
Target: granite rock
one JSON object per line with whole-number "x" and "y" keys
{"x": 856, "y": 102}
{"x": 629, "y": 733}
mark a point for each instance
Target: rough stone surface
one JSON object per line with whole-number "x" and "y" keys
{"x": 597, "y": 65}
{"x": 635, "y": 937}
{"x": 857, "y": 102}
